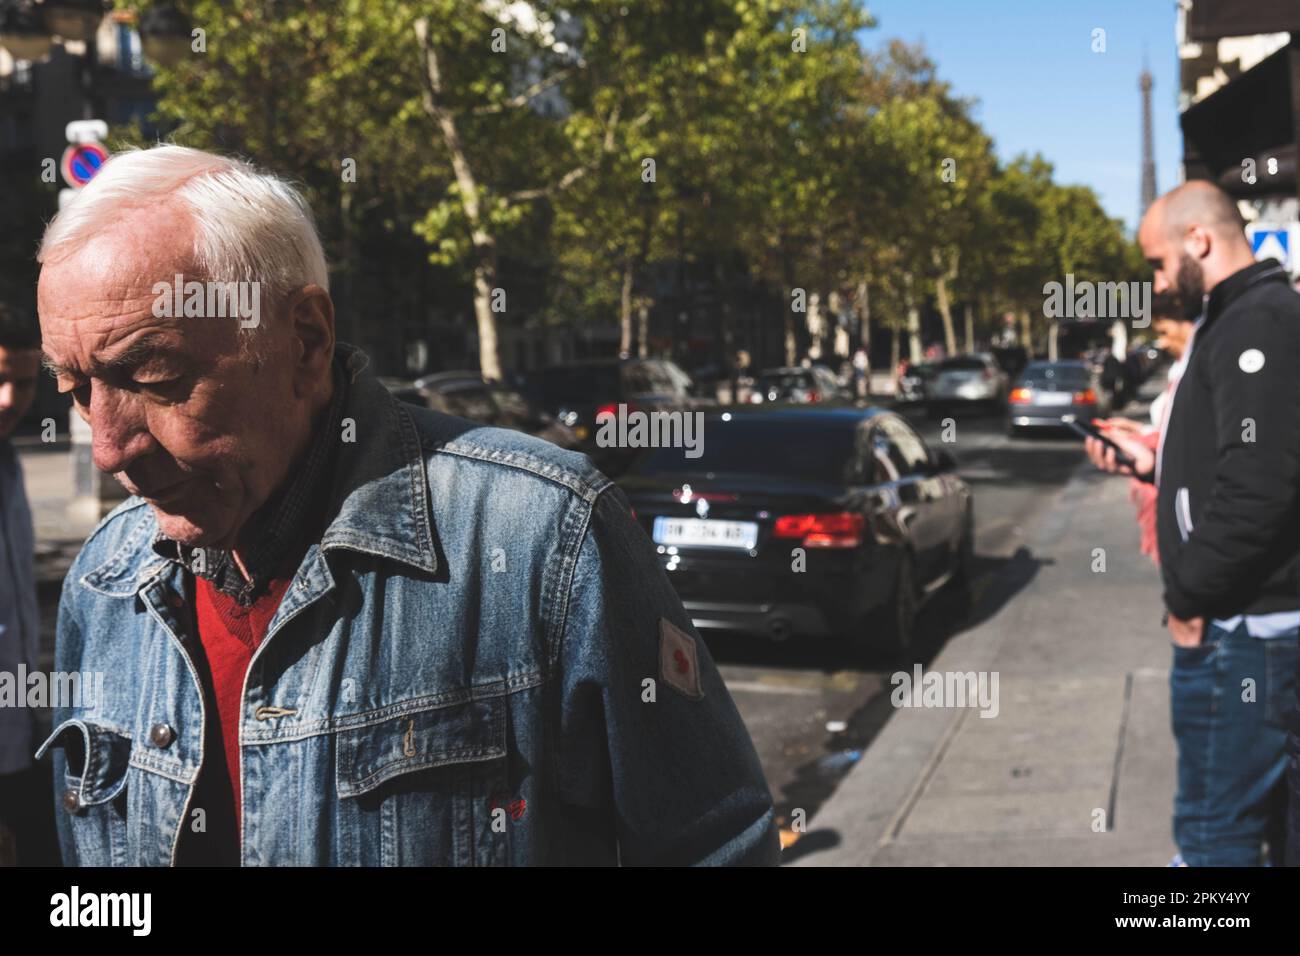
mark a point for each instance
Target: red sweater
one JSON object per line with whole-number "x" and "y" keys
{"x": 229, "y": 635}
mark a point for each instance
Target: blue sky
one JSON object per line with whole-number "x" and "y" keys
{"x": 1042, "y": 89}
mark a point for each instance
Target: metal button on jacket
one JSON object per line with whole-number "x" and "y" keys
{"x": 70, "y": 801}
{"x": 161, "y": 735}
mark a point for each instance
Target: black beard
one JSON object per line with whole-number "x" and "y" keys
{"x": 1191, "y": 287}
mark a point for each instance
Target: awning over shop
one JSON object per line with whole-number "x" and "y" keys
{"x": 1252, "y": 117}
{"x": 1213, "y": 19}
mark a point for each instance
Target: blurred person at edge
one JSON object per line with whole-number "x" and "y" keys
{"x": 26, "y": 826}
{"x": 1226, "y": 468}
{"x": 1172, "y": 329}
{"x": 352, "y": 631}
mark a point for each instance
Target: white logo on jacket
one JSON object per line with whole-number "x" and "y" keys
{"x": 1251, "y": 361}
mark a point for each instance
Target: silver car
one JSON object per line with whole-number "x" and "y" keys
{"x": 1047, "y": 392}
{"x": 968, "y": 379}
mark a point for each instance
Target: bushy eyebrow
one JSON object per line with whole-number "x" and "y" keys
{"x": 133, "y": 355}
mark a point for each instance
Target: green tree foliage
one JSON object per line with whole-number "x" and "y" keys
{"x": 598, "y": 143}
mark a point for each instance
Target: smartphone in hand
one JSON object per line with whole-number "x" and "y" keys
{"x": 1089, "y": 430}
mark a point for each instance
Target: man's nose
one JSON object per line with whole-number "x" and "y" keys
{"x": 119, "y": 433}
{"x": 6, "y": 396}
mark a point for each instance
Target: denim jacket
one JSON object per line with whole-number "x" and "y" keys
{"x": 481, "y": 662}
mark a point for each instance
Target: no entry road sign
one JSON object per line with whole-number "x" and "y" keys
{"x": 81, "y": 162}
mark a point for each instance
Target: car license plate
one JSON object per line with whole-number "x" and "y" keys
{"x": 706, "y": 533}
{"x": 1054, "y": 398}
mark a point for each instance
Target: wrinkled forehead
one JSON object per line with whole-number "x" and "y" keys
{"x": 104, "y": 298}
{"x": 143, "y": 246}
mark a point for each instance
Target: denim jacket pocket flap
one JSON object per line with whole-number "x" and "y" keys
{"x": 97, "y": 759}
{"x": 469, "y": 732}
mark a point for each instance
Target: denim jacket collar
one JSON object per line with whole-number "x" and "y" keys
{"x": 380, "y": 502}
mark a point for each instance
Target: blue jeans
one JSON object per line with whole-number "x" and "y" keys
{"x": 1230, "y": 698}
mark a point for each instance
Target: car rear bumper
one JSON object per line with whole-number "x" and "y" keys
{"x": 774, "y": 619}
{"x": 956, "y": 398}
{"x": 1051, "y": 417}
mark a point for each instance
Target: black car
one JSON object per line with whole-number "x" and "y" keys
{"x": 575, "y": 394}
{"x": 805, "y": 521}
{"x": 797, "y": 385}
{"x": 467, "y": 395}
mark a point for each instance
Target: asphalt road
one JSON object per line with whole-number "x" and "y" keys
{"x": 808, "y": 707}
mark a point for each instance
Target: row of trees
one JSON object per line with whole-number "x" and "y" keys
{"x": 554, "y": 157}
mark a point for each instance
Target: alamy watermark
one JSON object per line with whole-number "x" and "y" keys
{"x": 638, "y": 429}
{"x": 25, "y": 688}
{"x": 197, "y": 300}
{"x": 946, "y": 689}
{"x": 1098, "y": 300}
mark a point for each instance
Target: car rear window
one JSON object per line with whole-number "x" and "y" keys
{"x": 578, "y": 385}
{"x": 804, "y": 450}
{"x": 963, "y": 365}
{"x": 785, "y": 382}
{"x": 1052, "y": 374}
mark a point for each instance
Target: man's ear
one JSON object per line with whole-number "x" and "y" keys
{"x": 311, "y": 314}
{"x": 1197, "y": 242}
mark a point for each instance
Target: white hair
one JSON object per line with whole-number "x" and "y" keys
{"x": 250, "y": 225}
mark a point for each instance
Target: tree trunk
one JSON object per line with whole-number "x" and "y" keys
{"x": 345, "y": 317}
{"x": 1026, "y": 333}
{"x": 914, "y": 351}
{"x": 643, "y": 333}
{"x": 946, "y": 274}
{"x": 467, "y": 183}
{"x": 790, "y": 342}
{"x": 970, "y": 328}
{"x": 625, "y": 310}
{"x": 862, "y": 303}
{"x": 894, "y": 356}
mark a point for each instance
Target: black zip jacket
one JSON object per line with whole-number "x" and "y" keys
{"x": 1228, "y": 513}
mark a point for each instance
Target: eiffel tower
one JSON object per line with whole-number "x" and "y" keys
{"x": 1145, "y": 82}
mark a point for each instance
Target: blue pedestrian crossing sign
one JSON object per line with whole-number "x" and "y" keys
{"x": 1272, "y": 242}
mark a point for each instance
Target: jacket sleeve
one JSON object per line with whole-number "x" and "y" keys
{"x": 668, "y": 758}
{"x": 1257, "y": 472}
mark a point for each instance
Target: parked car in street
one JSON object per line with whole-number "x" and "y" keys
{"x": 467, "y": 395}
{"x": 1047, "y": 392}
{"x": 968, "y": 380}
{"x": 798, "y": 385}
{"x": 575, "y": 394}
{"x": 914, "y": 381}
{"x": 807, "y": 522}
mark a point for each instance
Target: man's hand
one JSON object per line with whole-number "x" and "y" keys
{"x": 1186, "y": 633}
{"x": 1123, "y": 433}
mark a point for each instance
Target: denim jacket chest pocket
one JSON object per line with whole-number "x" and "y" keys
{"x": 95, "y": 760}
{"x": 416, "y": 785}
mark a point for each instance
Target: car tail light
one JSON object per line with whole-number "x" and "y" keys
{"x": 841, "y": 530}
{"x": 814, "y": 396}
{"x": 1020, "y": 396}
{"x": 1086, "y": 397}
{"x": 612, "y": 409}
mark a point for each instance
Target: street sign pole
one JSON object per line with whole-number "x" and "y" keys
{"x": 94, "y": 493}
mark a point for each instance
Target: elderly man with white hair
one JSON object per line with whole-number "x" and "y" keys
{"x": 335, "y": 629}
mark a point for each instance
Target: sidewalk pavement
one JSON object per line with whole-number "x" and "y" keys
{"x": 1083, "y": 723}
{"x": 60, "y": 532}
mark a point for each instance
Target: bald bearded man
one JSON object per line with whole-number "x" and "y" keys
{"x": 1228, "y": 524}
